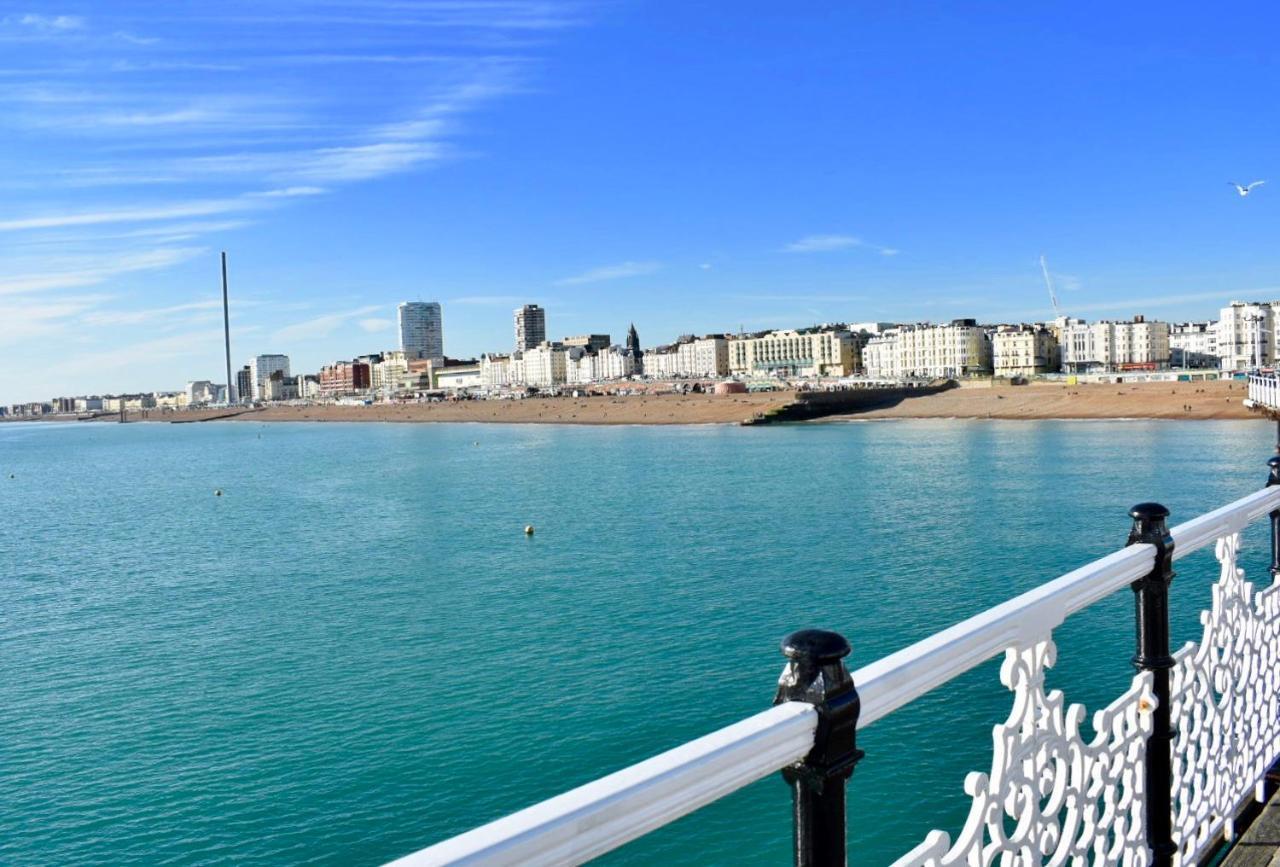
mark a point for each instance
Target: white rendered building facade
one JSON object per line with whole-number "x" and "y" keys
{"x": 961, "y": 348}
{"x": 809, "y": 353}
{"x": 385, "y": 375}
{"x": 202, "y": 392}
{"x": 610, "y": 363}
{"x": 1194, "y": 344}
{"x": 1247, "y": 332}
{"x": 1111, "y": 346}
{"x": 495, "y": 371}
{"x": 261, "y": 367}
{"x": 545, "y": 365}
{"x": 1024, "y": 350}
{"x": 880, "y": 356}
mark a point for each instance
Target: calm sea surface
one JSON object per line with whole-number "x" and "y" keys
{"x": 355, "y": 651}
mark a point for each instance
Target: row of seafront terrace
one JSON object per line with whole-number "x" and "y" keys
{"x": 817, "y": 355}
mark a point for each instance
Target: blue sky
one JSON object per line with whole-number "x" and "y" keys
{"x": 688, "y": 166}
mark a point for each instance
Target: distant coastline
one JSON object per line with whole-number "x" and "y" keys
{"x": 1154, "y": 400}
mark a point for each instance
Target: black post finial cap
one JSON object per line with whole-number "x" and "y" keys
{"x": 1148, "y": 512}
{"x": 816, "y": 645}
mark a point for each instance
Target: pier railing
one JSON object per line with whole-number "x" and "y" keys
{"x": 1172, "y": 762}
{"x": 1264, "y": 389}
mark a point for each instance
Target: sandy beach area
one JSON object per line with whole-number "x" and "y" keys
{"x": 1171, "y": 400}
{"x": 633, "y": 409}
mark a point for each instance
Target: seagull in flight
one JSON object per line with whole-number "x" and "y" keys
{"x": 1245, "y": 190}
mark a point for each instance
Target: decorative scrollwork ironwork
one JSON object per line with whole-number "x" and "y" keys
{"x": 1225, "y": 706}
{"x": 1052, "y": 797}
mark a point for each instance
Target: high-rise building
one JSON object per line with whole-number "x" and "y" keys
{"x": 260, "y": 369}
{"x": 421, "y": 329}
{"x": 531, "y": 327}
{"x": 244, "y": 387}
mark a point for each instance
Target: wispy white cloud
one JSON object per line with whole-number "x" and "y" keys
{"x": 1149, "y": 305}
{"x": 152, "y": 213}
{"x": 489, "y": 300}
{"x": 38, "y": 318}
{"x": 323, "y": 326}
{"x": 120, "y": 359}
{"x": 375, "y": 325}
{"x": 828, "y": 243}
{"x": 92, "y": 270}
{"x": 611, "y": 272}
{"x": 149, "y": 315}
{"x": 46, "y": 23}
{"x": 822, "y": 243}
{"x": 802, "y": 298}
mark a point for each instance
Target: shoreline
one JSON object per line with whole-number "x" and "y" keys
{"x": 1172, "y": 401}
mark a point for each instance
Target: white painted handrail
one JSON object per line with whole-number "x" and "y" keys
{"x": 888, "y": 684}
{"x": 1232, "y": 518}
{"x": 595, "y": 818}
{"x": 590, "y": 820}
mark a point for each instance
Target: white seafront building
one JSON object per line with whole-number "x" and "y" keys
{"x": 958, "y": 349}
{"x": 202, "y": 392}
{"x": 1024, "y": 350}
{"x": 689, "y": 357}
{"x": 811, "y": 352}
{"x": 261, "y": 367}
{"x": 1194, "y": 344}
{"x": 1092, "y": 347}
{"x": 545, "y": 365}
{"x": 611, "y": 363}
{"x": 1247, "y": 333}
{"x": 386, "y": 375}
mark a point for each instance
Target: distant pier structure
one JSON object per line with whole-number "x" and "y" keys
{"x": 1264, "y": 398}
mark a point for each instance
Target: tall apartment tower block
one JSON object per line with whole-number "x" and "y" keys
{"x": 531, "y": 326}
{"x": 421, "y": 329}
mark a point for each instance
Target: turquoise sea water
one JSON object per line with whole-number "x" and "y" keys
{"x": 355, "y": 651}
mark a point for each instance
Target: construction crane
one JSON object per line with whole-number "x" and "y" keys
{"x": 1048, "y": 282}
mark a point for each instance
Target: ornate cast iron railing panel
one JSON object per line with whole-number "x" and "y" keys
{"x": 1052, "y": 796}
{"x": 1225, "y": 706}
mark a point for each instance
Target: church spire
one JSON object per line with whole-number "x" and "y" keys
{"x": 633, "y": 345}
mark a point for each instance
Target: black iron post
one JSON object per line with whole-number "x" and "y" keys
{"x": 1151, "y": 602}
{"x": 1273, "y": 478}
{"x": 816, "y": 674}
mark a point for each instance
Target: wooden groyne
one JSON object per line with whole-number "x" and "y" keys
{"x": 215, "y": 417}
{"x": 810, "y": 405}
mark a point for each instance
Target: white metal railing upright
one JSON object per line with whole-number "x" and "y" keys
{"x": 1170, "y": 764}
{"x": 1264, "y": 390}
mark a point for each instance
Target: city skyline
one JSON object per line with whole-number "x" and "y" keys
{"x": 413, "y": 159}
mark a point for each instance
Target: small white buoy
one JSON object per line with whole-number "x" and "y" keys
{"x": 217, "y": 492}
{"x": 528, "y": 530}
